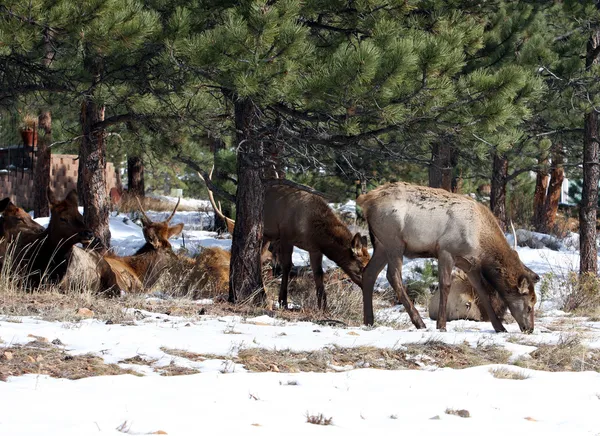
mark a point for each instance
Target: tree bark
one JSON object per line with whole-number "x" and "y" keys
{"x": 41, "y": 170}
{"x": 245, "y": 278}
{"x": 588, "y": 261}
{"x": 498, "y": 190}
{"x": 92, "y": 170}
{"x": 557, "y": 176}
{"x": 440, "y": 168}
{"x": 135, "y": 176}
{"x": 539, "y": 197}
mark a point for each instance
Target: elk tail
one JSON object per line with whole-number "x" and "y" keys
{"x": 514, "y": 234}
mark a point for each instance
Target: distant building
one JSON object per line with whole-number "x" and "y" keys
{"x": 16, "y": 181}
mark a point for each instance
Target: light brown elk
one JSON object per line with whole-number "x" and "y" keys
{"x": 417, "y": 222}
{"x": 133, "y": 273}
{"x": 294, "y": 217}
{"x": 463, "y": 302}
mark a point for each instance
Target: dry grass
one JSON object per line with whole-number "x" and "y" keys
{"x": 335, "y": 359}
{"x": 568, "y": 354}
{"x": 344, "y": 298}
{"x": 508, "y": 374}
{"x": 463, "y": 413}
{"x": 174, "y": 370}
{"x": 582, "y": 293}
{"x": 42, "y": 357}
{"x": 318, "y": 419}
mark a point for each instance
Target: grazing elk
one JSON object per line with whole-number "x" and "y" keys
{"x": 294, "y": 217}
{"x": 463, "y": 301}
{"x": 416, "y": 222}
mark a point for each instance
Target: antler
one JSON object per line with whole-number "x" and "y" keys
{"x": 514, "y": 234}
{"x": 174, "y": 210}
{"x": 142, "y": 209}
{"x": 230, "y": 223}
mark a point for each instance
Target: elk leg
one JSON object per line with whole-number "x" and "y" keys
{"x": 285, "y": 260}
{"x": 370, "y": 274}
{"x": 394, "y": 276}
{"x": 477, "y": 282}
{"x": 316, "y": 264}
{"x": 445, "y": 265}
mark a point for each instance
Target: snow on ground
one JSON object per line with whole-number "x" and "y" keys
{"x": 226, "y": 399}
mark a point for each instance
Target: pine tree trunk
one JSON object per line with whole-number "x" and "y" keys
{"x": 588, "y": 262}
{"x": 245, "y": 278}
{"x": 43, "y": 162}
{"x": 135, "y": 176}
{"x": 92, "y": 168}
{"x": 440, "y": 168}
{"x": 498, "y": 190}
{"x": 557, "y": 176}
{"x": 539, "y": 197}
{"x": 41, "y": 171}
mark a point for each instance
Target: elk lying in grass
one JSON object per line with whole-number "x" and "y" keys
{"x": 129, "y": 273}
{"x": 297, "y": 218}
{"x": 416, "y": 222}
{"x": 463, "y": 302}
{"x": 17, "y": 231}
{"x": 46, "y": 258}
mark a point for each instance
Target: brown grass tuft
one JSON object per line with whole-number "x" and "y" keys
{"x": 508, "y": 374}
{"x": 318, "y": 419}
{"x": 569, "y": 354}
{"x": 40, "y": 357}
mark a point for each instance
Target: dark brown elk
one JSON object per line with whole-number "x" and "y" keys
{"x": 419, "y": 222}
{"x": 47, "y": 259}
{"x": 294, "y": 217}
{"x": 17, "y": 231}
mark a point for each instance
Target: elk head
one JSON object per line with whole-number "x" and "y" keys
{"x": 359, "y": 258}
{"x": 15, "y": 220}
{"x": 158, "y": 234}
{"x": 515, "y": 284}
{"x": 66, "y": 223}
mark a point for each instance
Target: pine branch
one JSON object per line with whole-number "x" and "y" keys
{"x": 210, "y": 185}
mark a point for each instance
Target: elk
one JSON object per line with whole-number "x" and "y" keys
{"x": 463, "y": 302}
{"x": 17, "y": 230}
{"x": 294, "y": 217}
{"x": 130, "y": 273}
{"x": 51, "y": 248}
{"x": 420, "y": 222}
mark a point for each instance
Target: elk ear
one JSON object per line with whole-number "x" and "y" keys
{"x": 523, "y": 285}
{"x": 4, "y": 204}
{"x": 357, "y": 244}
{"x": 175, "y": 230}
{"x": 51, "y": 197}
{"x": 364, "y": 241}
{"x": 72, "y": 198}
